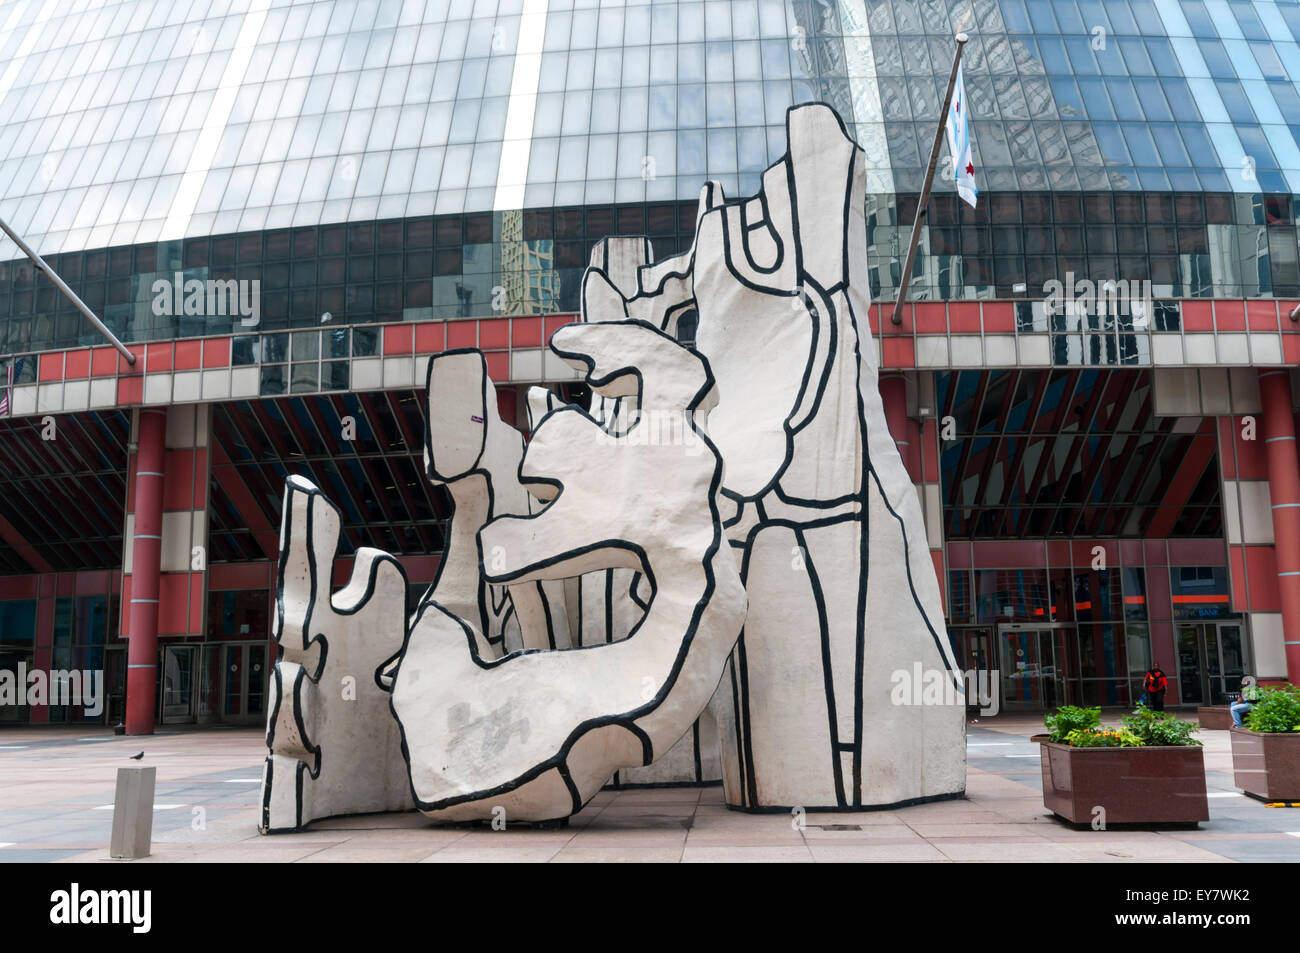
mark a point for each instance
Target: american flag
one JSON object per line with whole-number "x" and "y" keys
{"x": 15, "y": 368}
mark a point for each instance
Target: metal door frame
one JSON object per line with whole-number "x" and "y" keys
{"x": 164, "y": 718}
{"x": 241, "y": 717}
{"x": 1019, "y": 627}
{"x": 965, "y": 635}
{"x": 1200, "y": 659}
{"x": 1240, "y": 626}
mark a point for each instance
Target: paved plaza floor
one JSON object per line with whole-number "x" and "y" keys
{"x": 56, "y": 794}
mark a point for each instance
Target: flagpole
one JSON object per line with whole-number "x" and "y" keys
{"x": 924, "y": 201}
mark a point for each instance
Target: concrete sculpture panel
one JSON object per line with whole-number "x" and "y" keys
{"x": 821, "y": 511}
{"x": 481, "y": 733}
{"x": 731, "y": 601}
{"x": 334, "y": 748}
{"x": 537, "y": 731}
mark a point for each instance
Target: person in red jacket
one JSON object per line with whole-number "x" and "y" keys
{"x": 1155, "y": 683}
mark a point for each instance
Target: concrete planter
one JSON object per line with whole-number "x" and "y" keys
{"x": 1267, "y": 765}
{"x": 1164, "y": 785}
{"x": 1214, "y": 717}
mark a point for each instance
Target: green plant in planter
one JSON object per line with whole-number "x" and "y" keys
{"x": 1069, "y": 718}
{"x": 1160, "y": 728}
{"x": 1277, "y": 710}
{"x": 1102, "y": 738}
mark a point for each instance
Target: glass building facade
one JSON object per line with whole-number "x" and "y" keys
{"x": 476, "y": 146}
{"x": 452, "y": 163}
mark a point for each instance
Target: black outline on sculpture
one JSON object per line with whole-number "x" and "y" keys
{"x": 371, "y": 561}
{"x": 617, "y": 376}
{"x": 652, "y": 279}
{"x": 768, "y": 507}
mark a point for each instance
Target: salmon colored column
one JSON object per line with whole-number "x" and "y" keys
{"x": 1278, "y": 430}
{"x": 918, "y": 446}
{"x": 146, "y": 555}
{"x": 904, "y": 430}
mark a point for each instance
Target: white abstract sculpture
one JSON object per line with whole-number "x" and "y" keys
{"x": 823, "y": 516}
{"x": 482, "y": 734}
{"x": 334, "y": 748}
{"x": 476, "y": 455}
{"x": 536, "y": 733}
{"x": 591, "y": 598}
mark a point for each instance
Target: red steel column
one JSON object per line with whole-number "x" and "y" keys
{"x": 918, "y": 446}
{"x": 146, "y": 555}
{"x": 1278, "y": 429}
{"x": 904, "y": 430}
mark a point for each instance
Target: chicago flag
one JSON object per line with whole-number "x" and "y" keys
{"x": 959, "y": 143}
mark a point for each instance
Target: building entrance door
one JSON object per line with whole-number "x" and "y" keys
{"x": 975, "y": 658}
{"x": 1032, "y": 668}
{"x": 115, "y": 684}
{"x": 14, "y": 660}
{"x": 1211, "y": 661}
{"x": 233, "y": 683}
{"x": 177, "y": 676}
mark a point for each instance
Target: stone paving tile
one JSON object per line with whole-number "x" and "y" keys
{"x": 1181, "y": 854}
{"x": 1059, "y": 831}
{"x": 433, "y": 838}
{"x": 618, "y": 855}
{"x": 984, "y": 784}
{"x": 621, "y": 826}
{"x": 651, "y": 809}
{"x": 1166, "y": 848}
{"x": 967, "y": 812}
{"x": 856, "y": 840}
{"x": 372, "y": 821}
{"x": 500, "y": 855}
{"x": 1032, "y": 781}
{"x": 55, "y": 835}
{"x": 1026, "y": 851}
{"x": 753, "y": 836}
{"x": 658, "y": 795}
{"x": 737, "y": 820}
{"x": 348, "y": 854}
{"x": 746, "y": 854}
{"x": 1016, "y": 847}
{"x": 609, "y": 819}
{"x": 1255, "y": 850}
{"x": 745, "y": 839}
{"x": 243, "y": 854}
{"x": 51, "y": 785}
{"x": 931, "y": 831}
{"x": 1260, "y": 821}
{"x": 490, "y": 841}
{"x": 34, "y": 856}
{"x": 860, "y": 818}
{"x": 900, "y": 834}
{"x": 629, "y": 838}
{"x": 920, "y": 852}
{"x": 161, "y": 854}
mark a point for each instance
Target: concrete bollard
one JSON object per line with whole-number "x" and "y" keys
{"x": 133, "y": 812}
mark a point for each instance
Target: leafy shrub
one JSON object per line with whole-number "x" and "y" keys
{"x": 1155, "y": 728}
{"x": 1070, "y": 718}
{"x": 1102, "y": 738}
{"x": 1081, "y": 728}
{"x": 1277, "y": 710}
